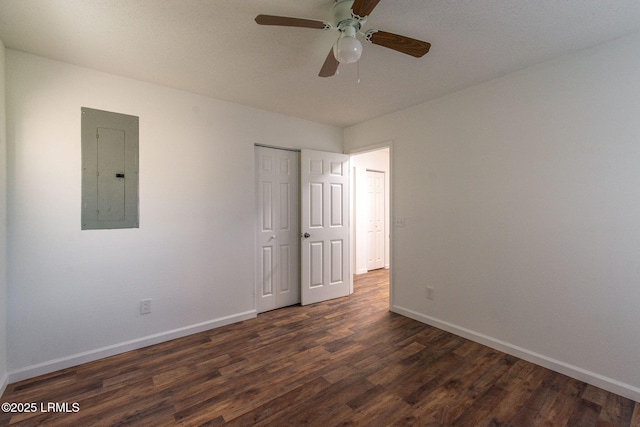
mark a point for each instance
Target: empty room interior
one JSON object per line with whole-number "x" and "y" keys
{"x": 498, "y": 144}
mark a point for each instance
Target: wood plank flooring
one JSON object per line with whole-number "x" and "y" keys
{"x": 339, "y": 363}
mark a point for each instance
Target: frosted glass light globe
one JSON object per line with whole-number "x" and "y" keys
{"x": 347, "y": 50}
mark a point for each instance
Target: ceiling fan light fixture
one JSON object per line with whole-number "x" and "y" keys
{"x": 347, "y": 50}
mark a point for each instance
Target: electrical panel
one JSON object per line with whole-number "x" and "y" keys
{"x": 109, "y": 170}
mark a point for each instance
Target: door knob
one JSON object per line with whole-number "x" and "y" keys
{"x": 306, "y": 235}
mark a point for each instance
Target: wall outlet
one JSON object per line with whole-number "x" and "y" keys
{"x": 145, "y": 306}
{"x": 429, "y": 292}
{"x": 398, "y": 221}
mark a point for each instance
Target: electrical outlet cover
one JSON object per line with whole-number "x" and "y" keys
{"x": 145, "y": 306}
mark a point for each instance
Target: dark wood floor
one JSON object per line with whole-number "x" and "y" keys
{"x": 343, "y": 362}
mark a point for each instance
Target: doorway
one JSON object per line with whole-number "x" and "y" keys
{"x": 371, "y": 210}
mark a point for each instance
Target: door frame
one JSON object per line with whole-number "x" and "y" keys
{"x": 366, "y": 149}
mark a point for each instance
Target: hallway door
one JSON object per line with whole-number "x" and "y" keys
{"x": 375, "y": 220}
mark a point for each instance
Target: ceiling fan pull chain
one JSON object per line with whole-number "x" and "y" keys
{"x": 358, "y": 71}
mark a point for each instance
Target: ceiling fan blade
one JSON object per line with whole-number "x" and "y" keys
{"x": 330, "y": 66}
{"x": 286, "y": 21}
{"x": 399, "y": 43}
{"x": 363, "y": 8}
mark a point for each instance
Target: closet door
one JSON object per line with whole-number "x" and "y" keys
{"x": 278, "y": 228}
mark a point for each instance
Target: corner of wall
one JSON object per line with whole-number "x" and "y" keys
{"x": 3, "y": 224}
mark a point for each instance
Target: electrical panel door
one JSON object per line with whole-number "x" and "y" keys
{"x": 109, "y": 170}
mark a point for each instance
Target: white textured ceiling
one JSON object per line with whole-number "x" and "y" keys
{"x": 214, "y": 47}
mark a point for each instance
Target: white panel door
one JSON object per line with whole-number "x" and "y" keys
{"x": 278, "y": 228}
{"x": 325, "y": 263}
{"x": 375, "y": 220}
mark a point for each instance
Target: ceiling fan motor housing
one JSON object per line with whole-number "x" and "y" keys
{"x": 343, "y": 17}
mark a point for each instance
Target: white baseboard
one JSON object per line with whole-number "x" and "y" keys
{"x": 365, "y": 271}
{"x": 4, "y": 381}
{"x": 576, "y": 372}
{"x": 100, "y": 353}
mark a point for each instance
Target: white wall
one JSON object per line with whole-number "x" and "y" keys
{"x": 3, "y": 225}
{"x": 377, "y": 160}
{"x": 74, "y": 295}
{"x": 522, "y": 206}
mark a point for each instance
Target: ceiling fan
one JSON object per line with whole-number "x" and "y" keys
{"x": 349, "y": 17}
